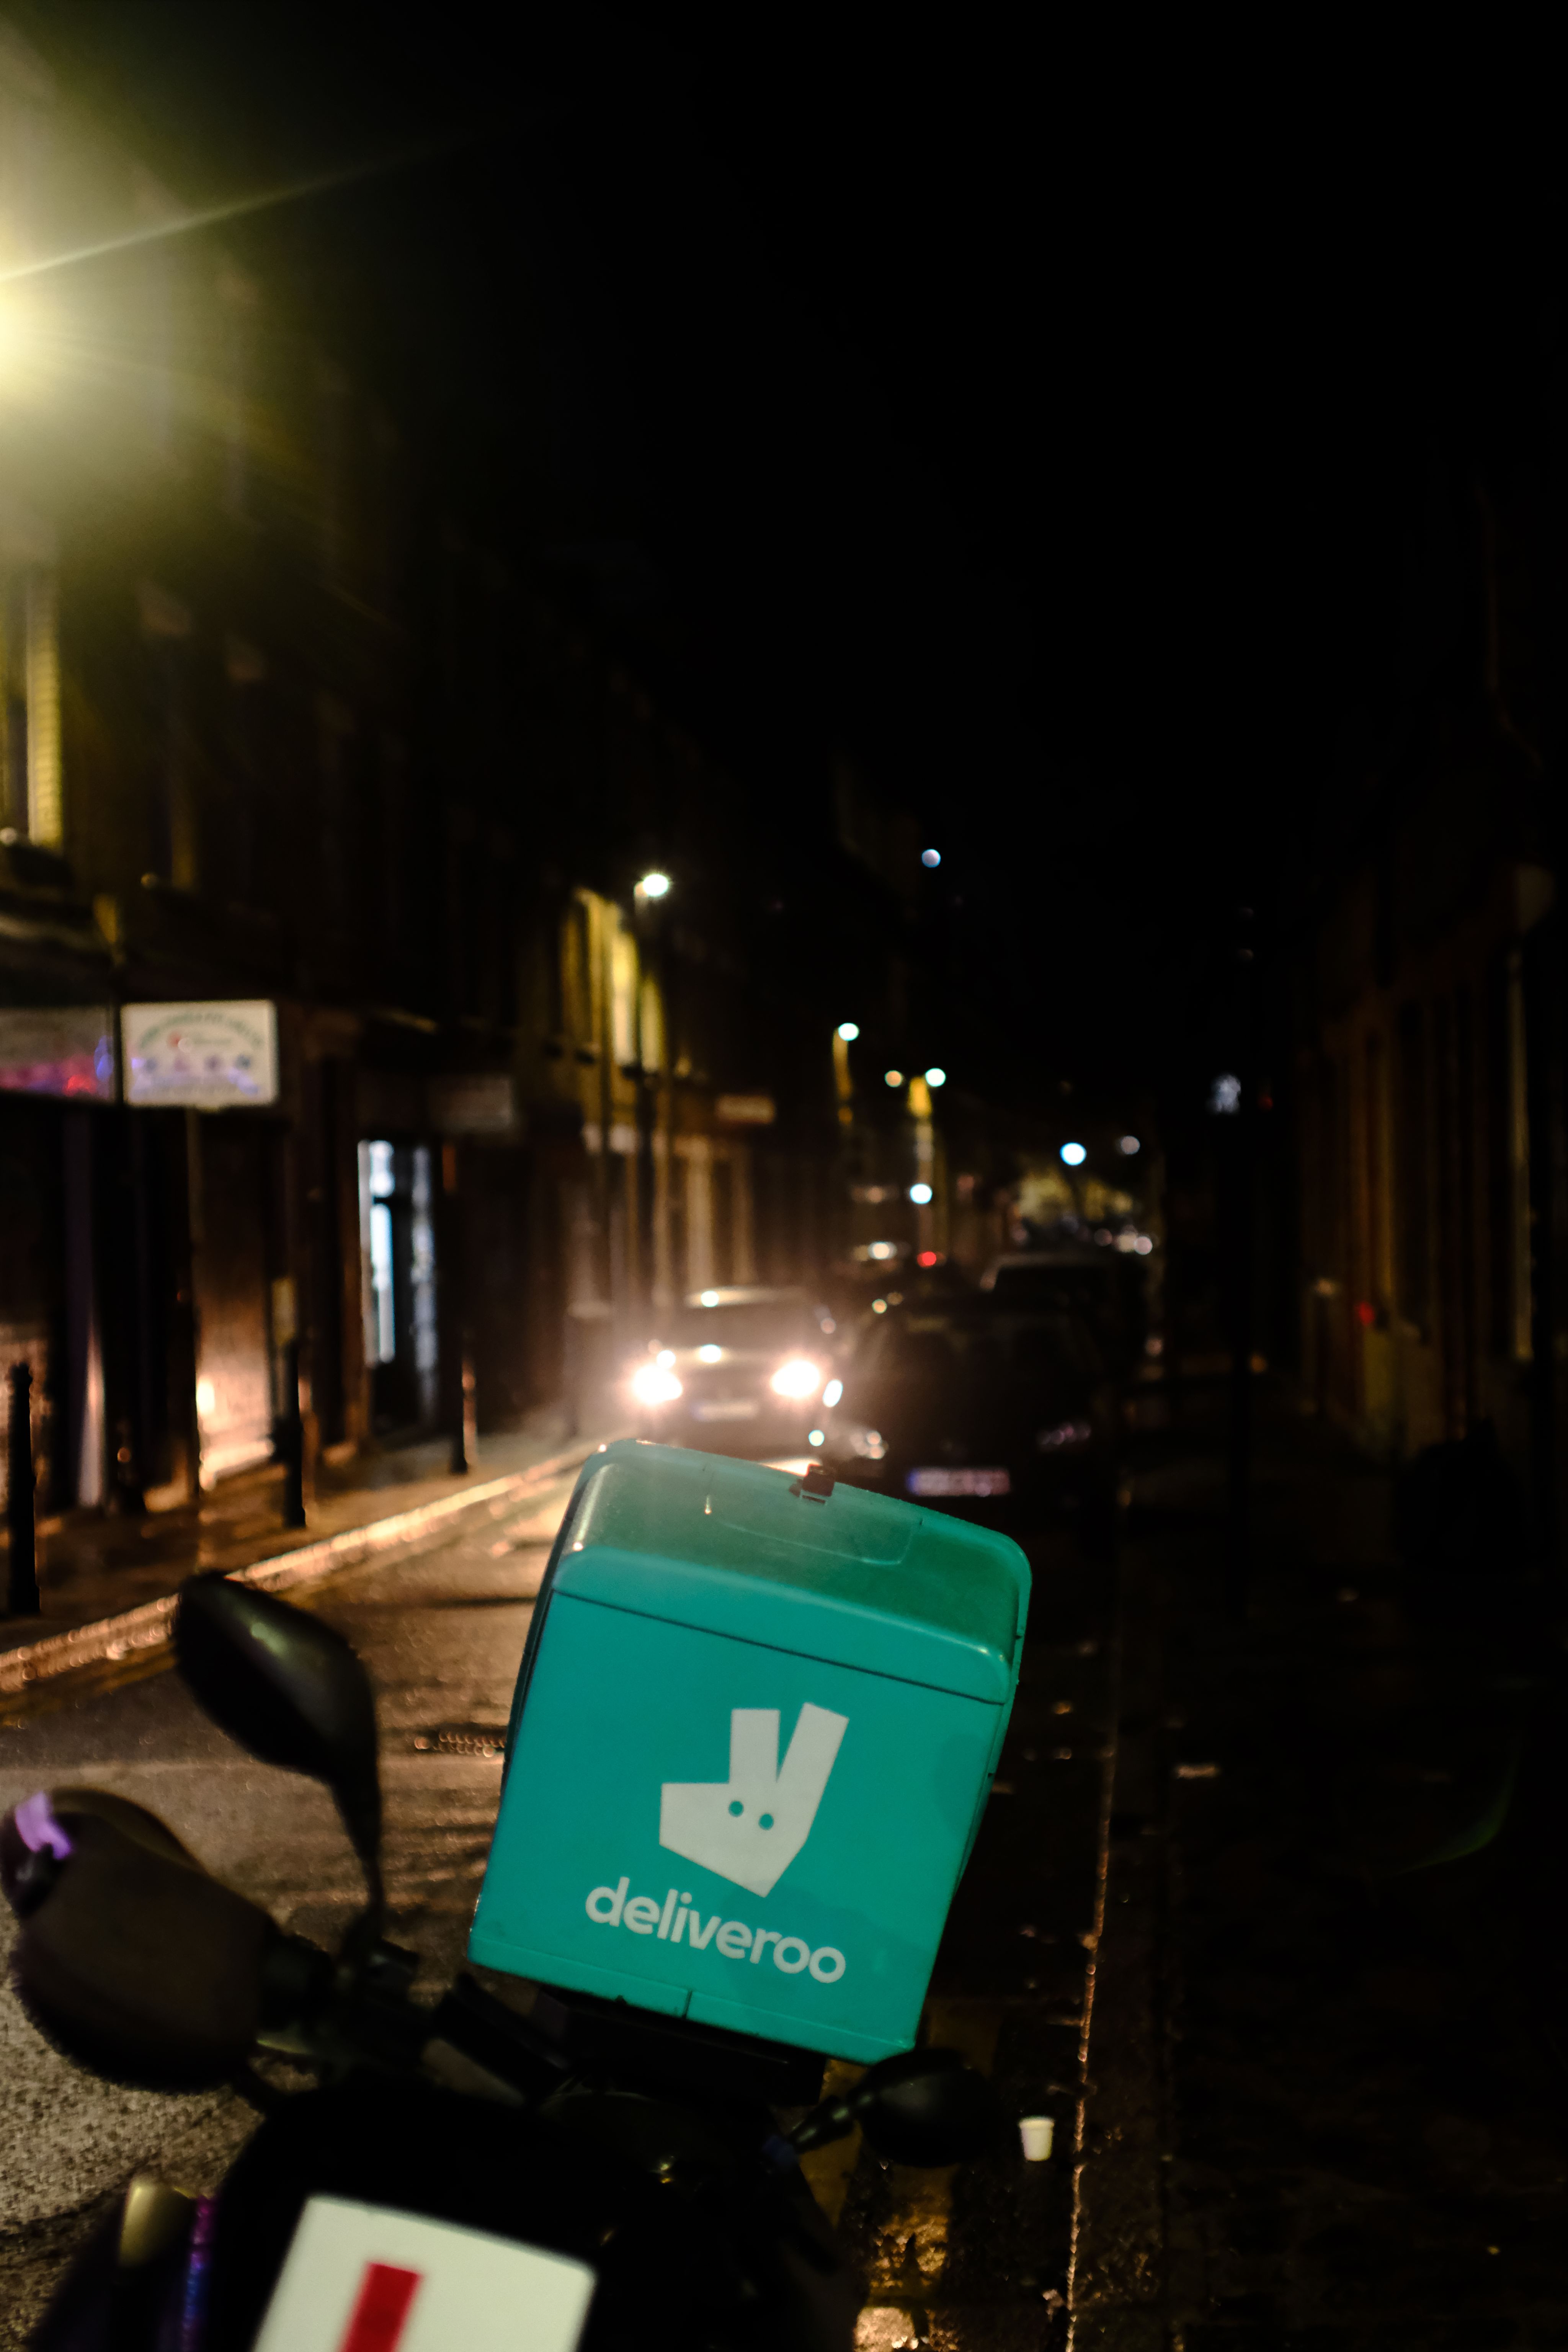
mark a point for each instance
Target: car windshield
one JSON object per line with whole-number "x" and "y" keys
{"x": 1052, "y": 1283}
{"x": 754, "y": 1325}
{"x": 993, "y": 1350}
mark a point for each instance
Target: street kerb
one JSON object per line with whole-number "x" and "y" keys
{"x": 140, "y": 1634}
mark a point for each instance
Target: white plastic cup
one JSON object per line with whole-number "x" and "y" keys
{"x": 1037, "y": 2133}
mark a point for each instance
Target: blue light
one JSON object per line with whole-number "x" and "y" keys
{"x": 1074, "y": 1154}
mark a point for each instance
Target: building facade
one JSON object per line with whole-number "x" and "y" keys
{"x": 281, "y": 730}
{"x": 1428, "y": 1057}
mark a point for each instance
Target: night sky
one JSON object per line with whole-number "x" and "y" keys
{"x": 1054, "y": 424}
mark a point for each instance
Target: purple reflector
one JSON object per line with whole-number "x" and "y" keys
{"x": 38, "y": 1828}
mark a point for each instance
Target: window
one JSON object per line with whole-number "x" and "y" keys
{"x": 623, "y": 996}
{"x": 30, "y": 789}
{"x": 393, "y": 800}
{"x": 580, "y": 991}
{"x": 379, "y": 1319}
{"x": 1378, "y": 1283}
{"x": 333, "y": 427}
{"x": 171, "y": 829}
{"x": 651, "y": 1027}
{"x": 337, "y": 753}
{"x": 242, "y": 799}
{"x": 237, "y": 306}
{"x": 1411, "y": 1169}
{"x": 398, "y": 1257}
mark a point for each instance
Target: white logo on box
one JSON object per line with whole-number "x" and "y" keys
{"x": 750, "y": 1828}
{"x": 363, "y": 2278}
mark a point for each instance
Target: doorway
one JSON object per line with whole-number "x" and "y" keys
{"x": 397, "y": 1244}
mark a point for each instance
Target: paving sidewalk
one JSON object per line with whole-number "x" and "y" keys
{"x": 102, "y": 1577}
{"x": 1325, "y": 2111}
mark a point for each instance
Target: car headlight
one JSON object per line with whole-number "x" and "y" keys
{"x": 1064, "y": 1434}
{"x": 799, "y": 1377}
{"x": 870, "y": 1444}
{"x": 655, "y": 1384}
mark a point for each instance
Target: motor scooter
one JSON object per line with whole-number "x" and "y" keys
{"x": 539, "y": 2171}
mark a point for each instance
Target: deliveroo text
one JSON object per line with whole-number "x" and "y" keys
{"x": 607, "y": 1907}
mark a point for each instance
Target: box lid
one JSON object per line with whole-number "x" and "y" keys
{"x": 737, "y": 1548}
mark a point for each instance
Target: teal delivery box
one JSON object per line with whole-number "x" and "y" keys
{"x": 751, "y": 1744}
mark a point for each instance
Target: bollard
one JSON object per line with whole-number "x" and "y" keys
{"x": 466, "y": 1447}
{"x": 22, "y": 1598}
{"x": 291, "y": 1438}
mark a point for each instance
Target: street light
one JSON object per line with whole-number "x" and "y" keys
{"x": 931, "y": 859}
{"x": 920, "y": 1195}
{"x": 844, "y": 1085}
{"x": 1074, "y": 1154}
{"x": 936, "y": 1077}
{"x": 893, "y": 1077}
{"x": 1128, "y": 1145}
{"x": 654, "y": 886}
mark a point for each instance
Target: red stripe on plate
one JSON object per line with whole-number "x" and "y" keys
{"x": 382, "y": 2312}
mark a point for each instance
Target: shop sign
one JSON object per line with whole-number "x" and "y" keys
{"x": 61, "y": 1050}
{"x": 477, "y": 1102}
{"x": 745, "y": 1110}
{"x": 212, "y": 1056}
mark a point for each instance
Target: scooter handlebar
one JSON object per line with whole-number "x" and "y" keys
{"x": 132, "y": 1959}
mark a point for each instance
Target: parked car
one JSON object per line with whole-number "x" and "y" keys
{"x": 1106, "y": 1287}
{"x": 736, "y": 1371}
{"x": 979, "y": 1405}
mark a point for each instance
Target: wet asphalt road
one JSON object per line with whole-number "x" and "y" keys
{"x": 974, "y": 2260}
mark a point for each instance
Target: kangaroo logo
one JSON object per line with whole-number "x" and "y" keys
{"x": 750, "y": 1828}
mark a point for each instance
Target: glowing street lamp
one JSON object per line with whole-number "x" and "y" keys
{"x": 1074, "y": 1154}
{"x": 654, "y": 886}
{"x": 844, "y": 1037}
{"x": 936, "y": 1077}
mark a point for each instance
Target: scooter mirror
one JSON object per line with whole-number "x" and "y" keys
{"x": 290, "y": 1690}
{"x": 925, "y": 2106}
{"x": 928, "y": 2108}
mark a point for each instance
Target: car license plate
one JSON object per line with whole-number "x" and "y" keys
{"x": 958, "y": 1482}
{"x": 726, "y": 1408}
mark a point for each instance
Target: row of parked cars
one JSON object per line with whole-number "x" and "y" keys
{"x": 998, "y": 1399}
